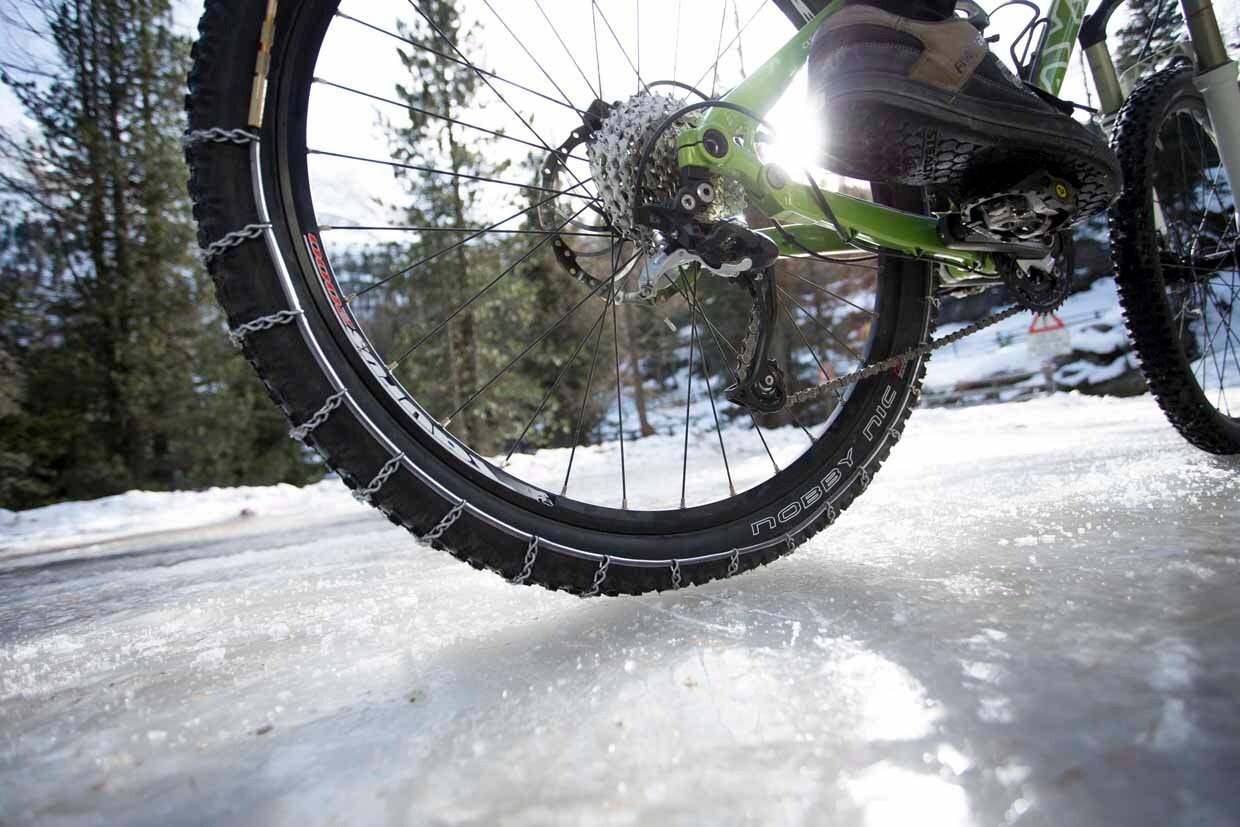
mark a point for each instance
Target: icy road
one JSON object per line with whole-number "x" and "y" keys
{"x": 1032, "y": 617}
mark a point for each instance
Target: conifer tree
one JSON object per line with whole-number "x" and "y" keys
{"x": 121, "y": 383}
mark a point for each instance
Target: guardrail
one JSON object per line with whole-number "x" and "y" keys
{"x": 1001, "y": 387}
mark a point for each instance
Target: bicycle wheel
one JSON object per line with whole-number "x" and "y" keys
{"x": 418, "y": 257}
{"x": 1173, "y": 239}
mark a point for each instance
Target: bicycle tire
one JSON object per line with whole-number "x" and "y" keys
{"x": 306, "y": 364}
{"x": 1139, "y": 266}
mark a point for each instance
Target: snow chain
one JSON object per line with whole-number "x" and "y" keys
{"x": 363, "y": 495}
{"x": 218, "y": 135}
{"x": 531, "y": 554}
{"x": 599, "y": 577}
{"x": 333, "y": 402}
{"x": 234, "y": 239}
{"x": 446, "y": 523}
{"x": 238, "y": 333}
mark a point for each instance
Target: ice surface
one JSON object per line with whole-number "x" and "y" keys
{"x": 1029, "y": 618}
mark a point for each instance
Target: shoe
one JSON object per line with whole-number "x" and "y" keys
{"x": 925, "y": 103}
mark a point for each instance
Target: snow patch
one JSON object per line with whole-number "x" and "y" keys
{"x": 143, "y": 512}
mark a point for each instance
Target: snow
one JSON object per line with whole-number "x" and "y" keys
{"x": 137, "y": 512}
{"x": 1029, "y": 617}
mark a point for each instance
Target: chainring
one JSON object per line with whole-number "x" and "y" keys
{"x": 1042, "y": 286}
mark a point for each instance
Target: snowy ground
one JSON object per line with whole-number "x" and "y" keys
{"x": 1031, "y": 617}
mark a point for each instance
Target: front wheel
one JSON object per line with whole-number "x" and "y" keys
{"x": 1174, "y": 243}
{"x": 417, "y": 253}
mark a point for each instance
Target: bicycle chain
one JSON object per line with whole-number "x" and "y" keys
{"x": 894, "y": 362}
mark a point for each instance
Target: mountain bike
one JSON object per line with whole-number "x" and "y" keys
{"x": 578, "y": 176}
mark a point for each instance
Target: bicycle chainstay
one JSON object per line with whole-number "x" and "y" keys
{"x": 745, "y": 356}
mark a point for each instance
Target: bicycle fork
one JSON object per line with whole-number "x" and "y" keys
{"x": 1216, "y": 80}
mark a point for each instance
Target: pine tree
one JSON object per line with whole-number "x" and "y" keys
{"x": 1153, "y": 26}
{"x": 117, "y": 343}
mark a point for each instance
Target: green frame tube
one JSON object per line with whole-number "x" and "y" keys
{"x": 794, "y": 205}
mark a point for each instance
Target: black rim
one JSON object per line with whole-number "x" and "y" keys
{"x": 706, "y": 341}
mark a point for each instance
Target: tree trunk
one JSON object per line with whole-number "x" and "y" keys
{"x": 634, "y": 358}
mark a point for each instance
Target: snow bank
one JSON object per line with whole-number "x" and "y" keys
{"x": 143, "y": 512}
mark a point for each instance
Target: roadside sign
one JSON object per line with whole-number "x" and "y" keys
{"x": 1048, "y": 337}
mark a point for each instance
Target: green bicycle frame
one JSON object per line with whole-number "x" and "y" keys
{"x": 1063, "y": 24}
{"x": 794, "y": 205}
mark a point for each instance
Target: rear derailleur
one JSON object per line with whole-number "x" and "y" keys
{"x": 733, "y": 252}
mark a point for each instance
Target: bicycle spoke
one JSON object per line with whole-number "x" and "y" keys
{"x": 585, "y": 399}
{"x": 517, "y": 359}
{"x": 448, "y": 173}
{"x": 457, "y": 61}
{"x": 720, "y": 341}
{"x": 1222, "y": 383}
{"x": 740, "y": 51}
{"x": 714, "y": 81}
{"x": 615, "y": 346}
{"x": 714, "y": 412}
{"x": 676, "y": 43}
{"x": 438, "y": 116}
{"x": 684, "y": 463}
{"x": 1233, "y": 344}
{"x": 1213, "y": 352}
{"x": 724, "y": 50}
{"x": 528, "y": 54}
{"x": 1224, "y": 325}
{"x": 638, "y": 4}
{"x": 819, "y": 324}
{"x": 473, "y": 299}
{"x": 619, "y": 45}
{"x": 598, "y": 66}
{"x": 801, "y": 333}
{"x": 524, "y": 121}
{"x": 595, "y": 92}
{"x": 437, "y": 254}
{"x": 556, "y": 384}
{"x": 830, "y": 293}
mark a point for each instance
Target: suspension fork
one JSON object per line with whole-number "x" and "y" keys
{"x": 1216, "y": 80}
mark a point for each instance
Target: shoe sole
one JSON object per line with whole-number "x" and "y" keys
{"x": 907, "y": 133}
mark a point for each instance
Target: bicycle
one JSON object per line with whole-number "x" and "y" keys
{"x": 631, "y": 201}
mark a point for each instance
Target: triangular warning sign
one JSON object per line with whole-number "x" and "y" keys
{"x": 1046, "y": 322}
